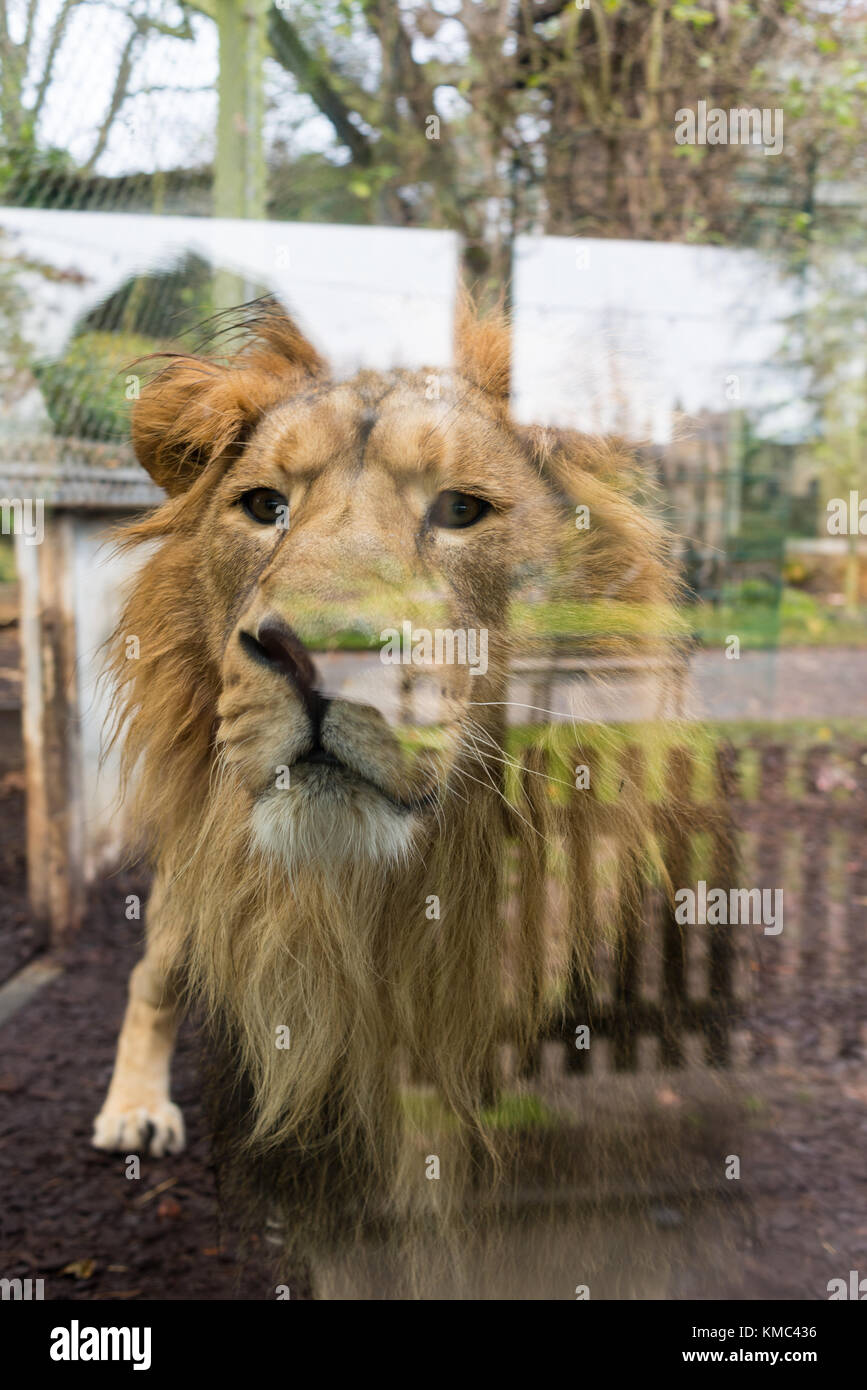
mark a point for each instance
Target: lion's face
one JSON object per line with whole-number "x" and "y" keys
{"x": 407, "y": 510}
{"x": 365, "y": 508}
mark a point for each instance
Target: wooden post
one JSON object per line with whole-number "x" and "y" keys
{"x": 239, "y": 163}
{"x": 50, "y": 725}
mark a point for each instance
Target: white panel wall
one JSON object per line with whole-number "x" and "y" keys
{"x": 367, "y": 296}
{"x": 621, "y": 335}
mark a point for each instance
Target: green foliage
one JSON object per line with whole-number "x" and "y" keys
{"x": 513, "y": 1111}
{"x": 757, "y": 591}
{"x": 693, "y": 14}
{"x": 8, "y": 572}
{"x": 85, "y": 390}
{"x": 312, "y": 188}
{"x": 516, "y": 1111}
{"x": 166, "y": 303}
{"x": 24, "y": 169}
{"x": 753, "y": 612}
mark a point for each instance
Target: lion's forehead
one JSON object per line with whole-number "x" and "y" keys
{"x": 405, "y": 424}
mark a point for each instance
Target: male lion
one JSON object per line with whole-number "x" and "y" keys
{"x": 329, "y": 883}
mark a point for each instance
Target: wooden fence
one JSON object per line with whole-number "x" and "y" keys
{"x": 661, "y": 995}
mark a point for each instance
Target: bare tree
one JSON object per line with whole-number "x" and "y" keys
{"x": 28, "y": 69}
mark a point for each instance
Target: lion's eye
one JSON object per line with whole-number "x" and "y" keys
{"x": 456, "y": 509}
{"x": 264, "y": 505}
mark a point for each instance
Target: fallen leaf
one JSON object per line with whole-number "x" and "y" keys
{"x": 81, "y": 1269}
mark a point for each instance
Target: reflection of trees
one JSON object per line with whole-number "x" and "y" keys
{"x": 29, "y": 66}
{"x": 560, "y": 118}
{"x": 490, "y": 119}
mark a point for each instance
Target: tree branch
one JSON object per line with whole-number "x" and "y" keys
{"x": 118, "y": 96}
{"x": 57, "y": 32}
{"x": 32, "y": 7}
{"x": 290, "y": 52}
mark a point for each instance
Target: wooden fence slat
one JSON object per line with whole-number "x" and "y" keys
{"x": 532, "y": 865}
{"x": 815, "y": 886}
{"x": 769, "y": 958}
{"x": 721, "y": 949}
{"x": 627, "y": 965}
{"x": 581, "y": 833}
{"x": 677, "y": 856}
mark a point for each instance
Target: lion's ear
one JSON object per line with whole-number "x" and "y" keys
{"x": 195, "y": 411}
{"x": 483, "y": 349}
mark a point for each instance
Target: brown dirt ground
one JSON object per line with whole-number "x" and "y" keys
{"x": 67, "y": 1212}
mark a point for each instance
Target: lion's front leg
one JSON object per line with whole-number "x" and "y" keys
{"x": 138, "y": 1112}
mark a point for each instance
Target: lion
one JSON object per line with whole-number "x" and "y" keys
{"x": 329, "y": 882}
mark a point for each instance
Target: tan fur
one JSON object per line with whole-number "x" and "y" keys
{"x": 306, "y": 908}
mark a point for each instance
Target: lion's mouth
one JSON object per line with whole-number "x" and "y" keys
{"x": 323, "y": 769}
{"x": 320, "y": 757}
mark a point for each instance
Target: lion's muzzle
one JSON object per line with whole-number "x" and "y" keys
{"x": 275, "y": 645}
{"x": 330, "y": 766}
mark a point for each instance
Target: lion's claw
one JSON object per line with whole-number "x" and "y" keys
{"x": 155, "y": 1129}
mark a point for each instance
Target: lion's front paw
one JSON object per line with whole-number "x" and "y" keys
{"x": 157, "y": 1129}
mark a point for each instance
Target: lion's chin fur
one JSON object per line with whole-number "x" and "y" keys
{"x": 325, "y": 982}
{"x": 332, "y": 822}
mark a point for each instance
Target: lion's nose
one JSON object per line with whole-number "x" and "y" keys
{"x": 277, "y": 646}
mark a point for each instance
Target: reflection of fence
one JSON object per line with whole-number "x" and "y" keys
{"x": 566, "y": 659}
{"x": 643, "y": 979}
{"x": 806, "y": 827}
{"x": 658, "y": 994}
